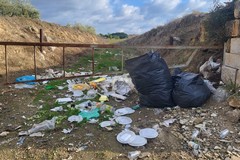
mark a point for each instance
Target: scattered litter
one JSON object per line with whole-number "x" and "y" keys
{"x": 148, "y": 133}
{"x": 81, "y": 87}
{"x": 123, "y": 120}
{"x": 22, "y": 85}
{"x": 126, "y": 136}
{"x": 38, "y": 134}
{"x": 107, "y": 124}
{"x": 45, "y": 125}
{"x": 195, "y": 147}
{"x": 136, "y": 107}
{"x": 167, "y": 123}
{"x": 90, "y": 114}
{"x": 64, "y": 100}
{"x": 99, "y": 80}
{"x": 3, "y": 134}
{"x": 220, "y": 95}
{"x": 49, "y": 87}
{"x": 26, "y": 78}
{"x": 91, "y": 94}
{"x": 103, "y": 98}
{"x": 124, "y": 111}
{"x": 157, "y": 111}
{"x": 77, "y": 93}
{"x": 60, "y": 87}
{"x": 195, "y": 134}
{"x": 7, "y": 141}
{"x": 57, "y": 109}
{"x": 21, "y": 141}
{"x": 75, "y": 118}
{"x": 67, "y": 131}
{"x": 210, "y": 86}
{"x": 134, "y": 155}
{"x": 121, "y": 88}
{"x": 138, "y": 141}
{"x": 224, "y": 133}
{"x": 93, "y": 121}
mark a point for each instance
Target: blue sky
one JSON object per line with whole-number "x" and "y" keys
{"x": 108, "y": 16}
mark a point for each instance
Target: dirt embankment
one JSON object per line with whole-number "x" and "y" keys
{"x": 19, "y": 29}
{"x": 186, "y": 31}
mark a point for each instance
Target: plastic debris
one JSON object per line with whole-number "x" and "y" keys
{"x": 148, "y": 133}
{"x": 22, "y": 85}
{"x": 134, "y": 155}
{"x": 90, "y": 114}
{"x": 49, "y": 87}
{"x": 75, "y": 118}
{"x": 67, "y": 131}
{"x": 77, "y": 93}
{"x": 224, "y": 133}
{"x": 107, "y": 124}
{"x": 195, "y": 147}
{"x": 26, "y": 78}
{"x": 21, "y": 141}
{"x": 115, "y": 95}
{"x": 81, "y": 87}
{"x": 220, "y": 95}
{"x": 195, "y": 134}
{"x": 126, "y": 137}
{"x": 91, "y": 94}
{"x": 3, "y": 134}
{"x": 210, "y": 86}
{"x": 45, "y": 125}
{"x": 123, "y": 111}
{"x": 138, "y": 141}
{"x": 136, "y": 107}
{"x": 64, "y": 100}
{"x": 167, "y": 123}
{"x": 123, "y": 120}
{"x": 103, "y": 98}
{"x": 38, "y": 134}
{"x": 57, "y": 109}
{"x": 121, "y": 87}
{"x": 99, "y": 80}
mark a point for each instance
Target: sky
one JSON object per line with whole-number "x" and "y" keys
{"x": 109, "y": 16}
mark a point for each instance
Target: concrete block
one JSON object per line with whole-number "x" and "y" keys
{"x": 232, "y": 60}
{"x": 237, "y": 9}
{"x": 228, "y": 75}
{"x": 233, "y": 28}
{"x": 235, "y": 45}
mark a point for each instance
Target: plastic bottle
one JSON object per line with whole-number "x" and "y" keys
{"x": 195, "y": 134}
{"x": 224, "y": 133}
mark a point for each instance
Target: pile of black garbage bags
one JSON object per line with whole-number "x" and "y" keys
{"x": 158, "y": 88}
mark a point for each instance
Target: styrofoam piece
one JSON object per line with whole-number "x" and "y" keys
{"x": 107, "y": 123}
{"x": 148, "y": 133}
{"x": 126, "y": 137}
{"x": 124, "y": 111}
{"x": 64, "y": 100}
{"x": 123, "y": 120}
{"x": 138, "y": 141}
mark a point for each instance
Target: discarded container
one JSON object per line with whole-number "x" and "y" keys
{"x": 121, "y": 88}
{"x": 22, "y": 85}
{"x": 75, "y": 118}
{"x": 57, "y": 109}
{"x": 195, "y": 134}
{"x": 107, "y": 124}
{"x": 148, "y": 133}
{"x": 193, "y": 145}
{"x": 123, "y": 120}
{"x": 124, "y": 111}
{"x": 224, "y": 133}
{"x": 138, "y": 141}
{"x": 134, "y": 155}
{"x": 126, "y": 137}
{"x": 77, "y": 93}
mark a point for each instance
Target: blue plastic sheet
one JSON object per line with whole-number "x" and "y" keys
{"x": 26, "y": 78}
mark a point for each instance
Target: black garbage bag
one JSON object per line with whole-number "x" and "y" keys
{"x": 189, "y": 90}
{"x": 152, "y": 79}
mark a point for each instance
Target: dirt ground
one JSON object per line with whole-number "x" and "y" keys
{"x": 96, "y": 143}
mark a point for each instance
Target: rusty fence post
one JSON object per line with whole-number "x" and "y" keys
{"x": 93, "y": 63}
{"x": 41, "y": 39}
{"x": 63, "y": 62}
{"x": 6, "y": 63}
{"x": 35, "y": 63}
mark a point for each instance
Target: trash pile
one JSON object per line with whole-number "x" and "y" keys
{"x": 158, "y": 89}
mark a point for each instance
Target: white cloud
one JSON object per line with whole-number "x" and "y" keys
{"x": 197, "y": 4}
{"x": 168, "y": 5}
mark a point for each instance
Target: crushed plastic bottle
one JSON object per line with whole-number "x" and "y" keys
{"x": 224, "y": 133}
{"x": 195, "y": 134}
{"x": 134, "y": 155}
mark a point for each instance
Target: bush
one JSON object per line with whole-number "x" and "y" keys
{"x": 215, "y": 24}
{"x": 117, "y": 35}
{"x": 21, "y": 8}
{"x": 84, "y": 28}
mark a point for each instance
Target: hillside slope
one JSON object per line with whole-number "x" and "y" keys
{"x": 191, "y": 32}
{"x": 19, "y": 29}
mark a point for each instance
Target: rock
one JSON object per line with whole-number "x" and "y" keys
{"x": 217, "y": 148}
{"x": 235, "y": 157}
{"x": 232, "y": 28}
{"x": 198, "y": 121}
{"x": 234, "y": 102}
{"x": 3, "y": 134}
{"x": 230, "y": 148}
{"x": 183, "y": 121}
{"x": 233, "y": 116}
{"x": 213, "y": 115}
{"x": 144, "y": 155}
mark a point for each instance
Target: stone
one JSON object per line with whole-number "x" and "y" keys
{"x": 232, "y": 60}
{"x": 213, "y": 115}
{"x": 183, "y": 121}
{"x": 233, "y": 116}
{"x": 217, "y": 148}
{"x": 228, "y": 75}
{"x": 232, "y": 28}
{"x": 237, "y": 9}
{"x": 230, "y": 148}
{"x": 234, "y": 45}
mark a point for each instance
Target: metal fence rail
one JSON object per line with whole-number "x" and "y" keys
{"x": 79, "y": 45}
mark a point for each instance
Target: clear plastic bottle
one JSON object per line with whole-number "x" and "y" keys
{"x": 224, "y": 133}
{"x": 195, "y": 133}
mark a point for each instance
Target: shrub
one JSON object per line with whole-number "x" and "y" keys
{"x": 21, "y": 8}
{"x": 84, "y": 28}
{"x": 215, "y": 24}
